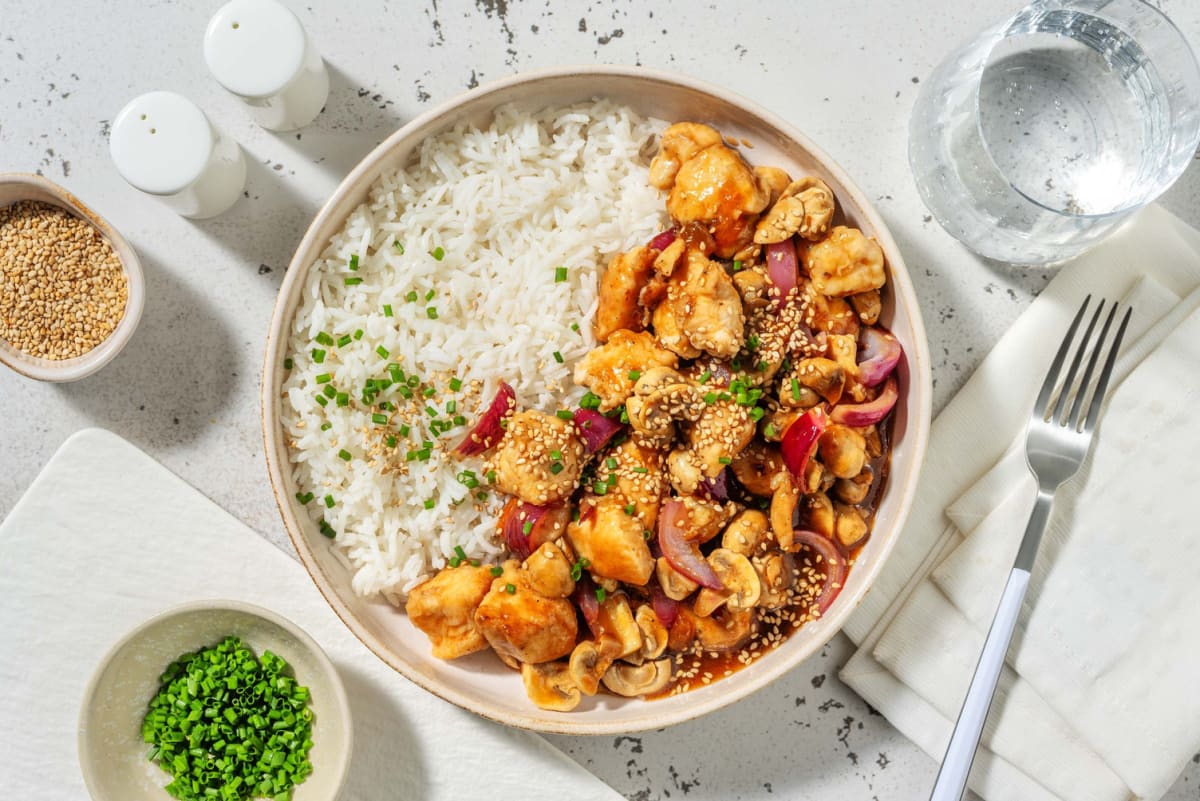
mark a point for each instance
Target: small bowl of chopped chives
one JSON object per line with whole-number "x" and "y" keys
{"x": 215, "y": 700}
{"x": 71, "y": 287}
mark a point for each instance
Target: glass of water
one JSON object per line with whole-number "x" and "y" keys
{"x": 1044, "y": 132}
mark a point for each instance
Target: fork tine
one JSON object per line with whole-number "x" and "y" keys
{"x": 1060, "y": 403}
{"x": 1105, "y": 375}
{"x": 1086, "y": 381}
{"x": 1039, "y": 406}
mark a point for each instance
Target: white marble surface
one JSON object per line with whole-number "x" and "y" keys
{"x": 185, "y": 390}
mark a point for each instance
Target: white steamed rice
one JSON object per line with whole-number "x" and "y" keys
{"x": 507, "y": 204}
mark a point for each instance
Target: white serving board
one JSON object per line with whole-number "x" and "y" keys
{"x": 105, "y": 537}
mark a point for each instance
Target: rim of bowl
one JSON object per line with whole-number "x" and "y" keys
{"x": 919, "y": 389}
{"x": 46, "y": 191}
{"x": 342, "y": 701}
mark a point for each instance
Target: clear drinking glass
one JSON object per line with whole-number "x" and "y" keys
{"x": 1041, "y": 134}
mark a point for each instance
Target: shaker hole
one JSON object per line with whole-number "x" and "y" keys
{"x": 236, "y": 26}
{"x": 153, "y": 130}
{"x": 143, "y": 116}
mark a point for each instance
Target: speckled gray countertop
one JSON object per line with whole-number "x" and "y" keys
{"x": 186, "y": 388}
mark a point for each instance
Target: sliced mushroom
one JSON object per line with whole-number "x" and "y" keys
{"x": 756, "y": 466}
{"x": 817, "y": 514}
{"x": 775, "y": 573}
{"x": 843, "y": 451}
{"x": 550, "y": 686}
{"x": 854, "y": 490}
{"x": 616, "y": 620}
{"x": 773, "y": 179}
{"x": 661, "y": 397}
{"x": 666, "y": 261}
{"x": 874, "y": 441}
{"x": 867, "y": 305}
{"x": 742, "y": 587}
{"x": 823, "y": 377}
{"x": 754, "y": 289}
{"x": 654, "y": 633}
{"x": 814, "y": 476}
{"x": 746, "y": 532}
{"x": 725, "y": 630}
{"x": 844, "y": 349}
{"x": 850, "y": 526}
{"x": 783, "y": 508}
{"x": 675, "y": 585}
{"x": 589, "y": 661}
{"x": 635, "y": 680}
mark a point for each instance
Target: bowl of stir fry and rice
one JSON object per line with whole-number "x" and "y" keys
{"x": 594, "y": 399}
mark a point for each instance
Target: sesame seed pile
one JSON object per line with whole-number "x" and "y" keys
{"x": 62, "y": 289}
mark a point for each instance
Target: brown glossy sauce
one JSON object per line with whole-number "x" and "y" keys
{"x": 699, "y": 668}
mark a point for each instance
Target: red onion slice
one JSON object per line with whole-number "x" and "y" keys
{"x": 717, "y": 487}
{"x": 584, "y": 597}
{"x": 800, "y": 441}
{"x": 879, "y": 353}
{"x": 595, "y": 428}
{"x": 871, "y": 412}
{"x": 832, "y": 566}
{"x": 782, "y": 268}
{"x": 518, "y": 522}
{"x": 661, "y": 241}
{"x": 679, "y": 553}
{"x": 665, "y": 609}
{"x": 488, "y": 430}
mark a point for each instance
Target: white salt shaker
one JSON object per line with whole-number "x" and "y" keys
{"x": 164, "y": 145}
{"x": 259, "y": 51}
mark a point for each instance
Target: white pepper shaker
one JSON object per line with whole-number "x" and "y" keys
{"x": 259, "y": 51}
{"x": 164, "y": 145}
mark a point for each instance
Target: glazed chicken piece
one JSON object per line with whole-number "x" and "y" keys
{"x": 641, "y": 480}
{"x": 722, "y": 431}
{"x": 523, "y": 625}
{"x": 844, "y": 263}
{"x": 702, "y": 311}
{"x": 444, "y": 608}
{"x": 526, "y": 457}
{"x": 679, "y": 143}
{"x": 804, "y": 207}
{"x": 716, "y": 188}
{"x": 613, "y": 542}
{"x": 620, "y": 287}
{"x": 605, "y": 370}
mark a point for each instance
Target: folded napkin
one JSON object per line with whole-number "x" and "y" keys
{"x": 1096, "y": 703}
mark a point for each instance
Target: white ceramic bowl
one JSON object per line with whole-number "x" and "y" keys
{"x": 480, "y": 683}
{"x": 15, "y": 187}
{"x": 112, "y": 754}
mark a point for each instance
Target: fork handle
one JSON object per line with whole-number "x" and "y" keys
{"x": 956, "y": 765}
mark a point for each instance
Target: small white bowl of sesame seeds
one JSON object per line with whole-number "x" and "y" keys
{"x": 71, "y": 287}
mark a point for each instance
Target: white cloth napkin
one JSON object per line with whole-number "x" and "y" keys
{"x": 1100, "y": 704}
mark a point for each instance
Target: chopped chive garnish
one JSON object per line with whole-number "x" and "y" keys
{"x": 431, "y": 313}
{"x": 707, "y": 374}
{"x": 795, "y": 389}
{"x": 326, "y": 425}
{"x": 329, "y": 501}
{"x": 481, "y": 496}
{"x": 318, "y": 356}
{"x": 590, "y": 400}
{"x": 353, "y": 281}
{"x": 288, "y": 363}
{"x": 432, "y": 412}
{"x": 451, "y": 407}
{"x": 634, "y": 375}
{"x": 455, "y": 384}
{"x": 629, "y": 509}
{"x": 404, "y": 429}
{"x": 324, "y": 378}
{"x": 467, "y": 479}
{"x": 459, "y": 420}
{"x": 382, "y": 351}
{"x": 491, "y": 476}
{"x": 769, "y": 430}
{"x": 429, "y": 392}
{"x": 762, "y": 366}
{"x": 460, "y": 553}
{"x": 411, "y": 297}
{"x": 438, "y": 253}
{"x": 391, "y": 441}
{"x": 575, "y": 327}
{"x": 387, "y": 310}
{"x": 424, "y": 454}
{"x": 511, "y": 589}
{"x": 329, "y": 391}
{"x": 558, "y": 357}
{"x": 342, "y": 399}
{"x": 560, "y": 274}
{"x": 556, "y": 455}
{"x": 345, "y": 455}
{"x": 326, "y": 529}
{"x": 710, "y": 398}
{"x": 387, "y": 407}
{"x": 353, "y": 262}
{"x": 321, "y": 399}
{"x": 304, "y": 497}
{"x": 641, "y": 470}
{"x": 556, "y": 468}
{"x": 411, "y": 456}
{"x": 610, "y": 463}
{"x": 324, "y": 339}
{"x": 358, "y": 334}
{"x": 724, "y": 396}
{"x": 737, "y": 265}
{"x": 399, "y": 247}
{"x": 454, "y": 561}
{"x": 379, "y": 419}
{"x": 601, "y": 594}
{"x": 344, "y": 341}
{"x": 563, "y": 414}
{"x": 527, "y": 527}
{"x": 429, "y": 503}
{"x": 496, "y": 571}
{"x": 414, "y": 381}
{"x": 600, "y": 488}
{"x": 756, "y": 413}
{"x": 725, "y": 460}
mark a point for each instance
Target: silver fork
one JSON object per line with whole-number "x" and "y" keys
{"x": 1056, "y": 442}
